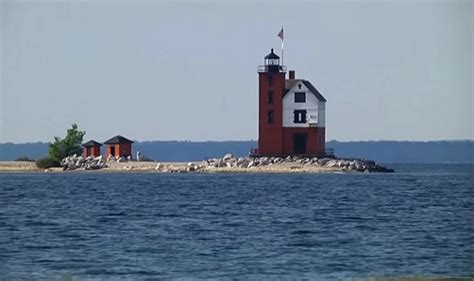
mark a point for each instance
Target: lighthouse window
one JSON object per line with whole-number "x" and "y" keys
{"x": 299, "y": 116}
{"x": 270, "y": 97}
{"x": 300, "y": 97}
{"x": 270, "y": 117}
{"x": 273, "y": 62}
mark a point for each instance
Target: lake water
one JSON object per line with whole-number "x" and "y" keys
{"x": 147, "y": 226}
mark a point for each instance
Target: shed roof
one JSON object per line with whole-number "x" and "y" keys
{"x": 91, "y": 143}
{"x": 290, "y": 83}
{"x": 118, "y": 139}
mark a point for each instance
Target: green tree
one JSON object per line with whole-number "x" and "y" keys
{"x": 62, "y": 148}
{"x": 70, "y": 145}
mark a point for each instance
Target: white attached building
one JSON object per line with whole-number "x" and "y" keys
{"x": 303, "y": 105}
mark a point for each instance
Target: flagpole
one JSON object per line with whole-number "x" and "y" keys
{"x": 282, "y": 40}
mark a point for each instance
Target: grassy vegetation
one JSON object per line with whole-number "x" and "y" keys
{"x": 25, "y": 158}
{"x": 47, "y": 162}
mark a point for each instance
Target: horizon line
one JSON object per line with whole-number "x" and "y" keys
{"x": 223, "y": 141}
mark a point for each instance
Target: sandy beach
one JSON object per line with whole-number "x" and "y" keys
{"x": 18, "y": 166}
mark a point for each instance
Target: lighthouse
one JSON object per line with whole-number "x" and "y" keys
{"x": 291, "y": 112}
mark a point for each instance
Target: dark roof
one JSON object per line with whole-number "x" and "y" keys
{"x": 118, "y": 139}
{"x": 289, "y": 84}
{"x": 272, "y": 55}
{"x": 91, "y": 143}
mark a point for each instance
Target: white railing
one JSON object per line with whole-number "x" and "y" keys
{"x": 264, "y": 68}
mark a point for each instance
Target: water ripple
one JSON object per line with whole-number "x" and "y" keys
{"x": 321, "y": 227}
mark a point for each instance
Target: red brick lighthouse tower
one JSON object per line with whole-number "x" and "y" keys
{"x": 271, "y": 80}
{"x": 291, "y": 113}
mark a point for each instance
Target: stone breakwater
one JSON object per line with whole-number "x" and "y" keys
{"x": 355, "y": 165}
{"x": 229, "y": 163}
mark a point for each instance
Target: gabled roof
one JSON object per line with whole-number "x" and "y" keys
{"x": 118, "y": 139}
{"x": 290, "y": 83}
{"x": 91, "y": 143}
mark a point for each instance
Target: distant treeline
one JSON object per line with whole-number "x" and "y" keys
{"x": 456, "y": 152}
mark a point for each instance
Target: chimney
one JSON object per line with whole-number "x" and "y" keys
{"x": 291, "y": 74}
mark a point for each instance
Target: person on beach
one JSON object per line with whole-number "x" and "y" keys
{"x": 138, "y": 155}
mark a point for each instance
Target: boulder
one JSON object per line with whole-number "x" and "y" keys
{"x": 323, "y": 161}
{"x": 277, "y": 160}
{"x": 264, "y": 161}
{"x": 227, "y": 157}
{"x": 159, "y": 166}
{"x": 331, "y": 163}
{"x": 243, "y": 162}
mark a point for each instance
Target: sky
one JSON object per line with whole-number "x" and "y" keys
{"x": 187, "y": 70}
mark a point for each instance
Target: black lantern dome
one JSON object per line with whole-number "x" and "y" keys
{"x": 271, "y": 64}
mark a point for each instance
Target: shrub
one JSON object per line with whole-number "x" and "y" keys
{"x": 47, "y": 162}
{"x": 25, "y": 158}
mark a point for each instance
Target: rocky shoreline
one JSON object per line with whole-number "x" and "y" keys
{"x": 229, "y": 163}
{"x": 353, "y": 165}
{"x": 226, "y": 164}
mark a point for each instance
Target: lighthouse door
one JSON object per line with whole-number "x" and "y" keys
{"x": 299, "y": 143}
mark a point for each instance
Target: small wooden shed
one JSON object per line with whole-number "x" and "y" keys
{"x": 91, "y": 148}
{"x": 118, "y": 146}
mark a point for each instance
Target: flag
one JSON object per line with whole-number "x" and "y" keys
{"x": 280, "y": 34}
